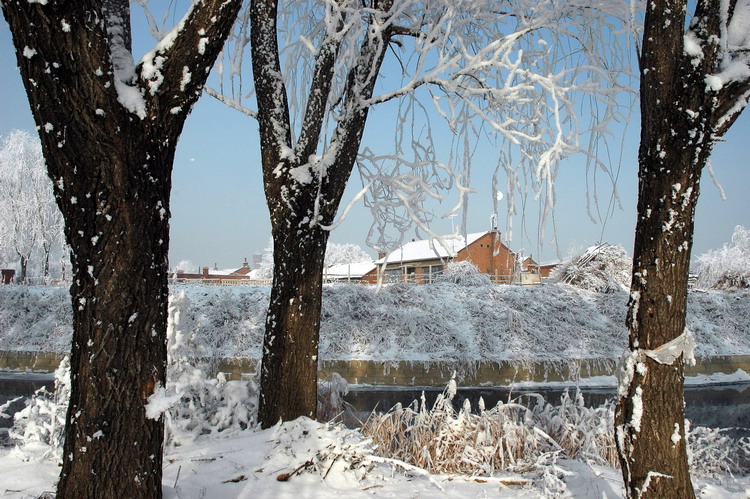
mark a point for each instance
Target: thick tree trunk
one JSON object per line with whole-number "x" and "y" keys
{"x": 110, "y": 162}
{"x": 119, "y": 354}
{"x": 290, "y": 344}
{"x": 650, "y": 419}
{"x": 681, "y": 118}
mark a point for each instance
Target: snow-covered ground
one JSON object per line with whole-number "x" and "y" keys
{"x": 306, "y": 459}
{"x": 438, "y": 322}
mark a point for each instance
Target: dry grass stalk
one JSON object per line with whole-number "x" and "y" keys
{"x": 508, "y": 437}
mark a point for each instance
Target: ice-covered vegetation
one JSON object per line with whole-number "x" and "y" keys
{"x": 603, "y": 268}
{"x": 437, "y": 322}
{"x": 463, "y": 273}
{"x": 525, "y": 434}
{"x": 728, "y": 267}
{"x": 522, "y": 443}
{"x": 31, "y": 225}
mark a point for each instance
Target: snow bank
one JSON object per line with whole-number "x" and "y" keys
{"x": 403, "y": 322}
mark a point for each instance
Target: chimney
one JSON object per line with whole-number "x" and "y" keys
{"x": 205, "y": 271}
{"x": 245, "y": 265}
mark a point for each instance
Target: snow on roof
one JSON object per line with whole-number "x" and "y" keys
{"x": 349, "y": 269}
{"x": 430, "y": 249}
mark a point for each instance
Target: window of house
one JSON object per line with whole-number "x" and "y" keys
{"x": 435, "y": 270}
{"x": 393, "y": 275}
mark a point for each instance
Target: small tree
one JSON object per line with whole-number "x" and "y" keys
{"x": 109, "y": 128}
{"x": 24, "y": 200}
{"x": 342, "y": 254}
{"x": 603, "y": 268}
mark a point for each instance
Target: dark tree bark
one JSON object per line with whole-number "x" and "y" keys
{"x": 298, "y": 209}
{"x": 111, "y": 168}
{"x": 681, "y": 118}
{"x": 24, "y": 266}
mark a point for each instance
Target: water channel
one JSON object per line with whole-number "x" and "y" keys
{"x": 714, "y": 406}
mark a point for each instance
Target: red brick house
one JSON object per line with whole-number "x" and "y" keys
{"x": 216, "y": 276}
{"x": 421, "y": 261}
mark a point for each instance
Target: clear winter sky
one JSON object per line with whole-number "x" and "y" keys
{"x": 218, "y": 207}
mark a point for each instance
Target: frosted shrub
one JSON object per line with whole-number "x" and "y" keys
{"x": 728, "y": 267}
{"x": 463, "y": 273}
{"x": 603, "y": 268}
{"x": 713, "y": 454}
{"x": 40, "y": 426}
{"x": 443, "y": 440}
{"x": 198, "y": 403}
{"x": 586, "y": 433}
{"x": 331, "y": 404}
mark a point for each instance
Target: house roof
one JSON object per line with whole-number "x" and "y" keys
{"x": 430, "y": 249}
{"x": 348, "y": 269}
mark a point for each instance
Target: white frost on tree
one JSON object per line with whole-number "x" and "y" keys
{"x": 539, "y": 81}
{"x": 603, "y": 268}
{"x": 728, "y": 267}
{"x": 31, "y": 224}
{"x": 343, "y": 254}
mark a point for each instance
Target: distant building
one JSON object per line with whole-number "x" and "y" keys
{"x": 348, "y": 272}
{"x": 216, "y": 276}
{"x": 421, "y": 262}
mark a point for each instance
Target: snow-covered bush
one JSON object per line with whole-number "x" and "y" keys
{"x": 586, "y": 433}
{"x": 193, "y": 401}
{"x": 331, "y": 404}
{"x": 728, "y": 267}
{"x": 602, "y": 268}
{"x": 712, "y": 453}
{"x": 463, "y": 273}
{"x": 39, "y": 428}
{"x": 336, "y": 254}
{"x": 342, "y": 254}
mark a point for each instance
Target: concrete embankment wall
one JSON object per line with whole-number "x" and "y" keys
{"x": 417, "y": 373}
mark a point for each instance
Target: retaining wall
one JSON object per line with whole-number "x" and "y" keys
{"x": 417, "y": 373}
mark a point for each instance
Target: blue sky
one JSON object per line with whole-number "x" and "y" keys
{"x": 219, "y": 213}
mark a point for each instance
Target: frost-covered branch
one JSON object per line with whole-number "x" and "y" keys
{"x": 518, "y": 75}
{"x": 172, "y": 74}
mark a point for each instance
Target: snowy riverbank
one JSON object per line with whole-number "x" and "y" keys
{"x": 440, "y": 322}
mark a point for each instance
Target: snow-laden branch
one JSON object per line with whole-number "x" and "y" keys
{"x": 519, "y": 75}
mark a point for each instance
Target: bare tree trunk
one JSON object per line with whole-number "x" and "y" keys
{"x": 45, "y": 272}
{"x": 292, "y": 327}
{"x": 681, "y": 118}
{"x": 111, "y": 168}
{"x": 24, "y": 267}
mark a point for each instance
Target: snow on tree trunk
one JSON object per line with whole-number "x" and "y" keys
{"x": 303, "y": 194}
{"x": 688, "y": 101}
{"x": 109, "y": 130}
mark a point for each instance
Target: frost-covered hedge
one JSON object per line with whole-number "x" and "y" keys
{"x": 728, "y": 267}
{"x": 437, "y": 322}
